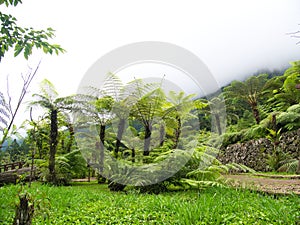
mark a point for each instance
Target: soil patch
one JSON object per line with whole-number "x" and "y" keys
{"x": 270, "y": 184}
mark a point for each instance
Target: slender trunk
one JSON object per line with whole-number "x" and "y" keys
{"x": 121, "y": 127}
{"x": 53, "y": 146}
{"x": 147, "y": 140}
{"x": 89, "y": 173}
{"x": 218, "y": 123}
{"x": 71, "y": 140}
{"x": 162, "y": 133}
{"x": 255, "y": 112}
{"x": 133, "y": 155}
{"x": 101, "y": 148}
{"x": 177, "y": 132}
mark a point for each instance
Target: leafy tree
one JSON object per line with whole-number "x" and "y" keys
{"x": 23, "y": 39}
{"x": 272, "y": 87}
{"x": 39, "y": 136}
{"x": 289, "y": 94}
{"x": 14, "y": 151}
{"x": 146, "y": 108}
{"x": 94, "y": 115}
{"x": 181, "y": 106}
{"x": 20, "y": 40}
{"x": 114, "y": 87}
{"x": 216, "y": 108}
{"x": 102, "y": 108}
{"x": 48, "y": 99}
{"x": 249, "y": 91}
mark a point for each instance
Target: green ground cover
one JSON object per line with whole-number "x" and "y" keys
{"x": 90, "y": 203}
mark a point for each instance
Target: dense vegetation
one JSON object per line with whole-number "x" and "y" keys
{"x": 95, "y": 204}
{"x": 138, "y": 124}
{"x": 138, "y": 139}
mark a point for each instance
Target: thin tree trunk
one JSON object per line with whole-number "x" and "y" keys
{"x": 53, "y": 146}
{"x": 101, "y": 148}
{"x": 147, "y": 140}
{"x": 177, "y": 132}
{"x": 133, "y": 155}
{"x": 71, "y": 140}
{"x": 162, "y": 133}
{"x": 218, "y": 123}
{"x": 121, "y": 127}
{"x": 255, "y": 113}
{"x": 89, "y": 173}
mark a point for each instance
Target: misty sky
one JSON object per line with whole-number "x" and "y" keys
{"x": 234, "y": 38}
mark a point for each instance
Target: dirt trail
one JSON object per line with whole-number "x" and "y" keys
{"x": 280, "y": 184}
{"x": 267, "y": 184}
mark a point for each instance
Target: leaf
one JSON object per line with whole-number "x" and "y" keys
{"x": 18, "y": 50}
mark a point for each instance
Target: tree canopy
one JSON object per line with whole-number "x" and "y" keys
{"x": 23, "y": 39}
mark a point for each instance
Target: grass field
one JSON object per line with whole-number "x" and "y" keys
{"x": 90, "y": 203}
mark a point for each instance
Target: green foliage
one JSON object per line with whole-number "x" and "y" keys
{"x": 17, "y": 152}
{"x": 67, "y": 166}
{"x": 54, "y": 105}
{"x": 289, "y": 166}
{"x": 29, "y": 205}
{"x": 287, "y": 94}
{"x": 10, "y": 2}
{"x": 290, "y": 120}
{"x": 232, "y": 138}
{"x": 23, "y": 39}
{"x": 277, "y": 159}
{"x": 250, "y": 91}
{"x": 93, "y": 204}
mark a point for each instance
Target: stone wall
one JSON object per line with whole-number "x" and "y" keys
{"x": 254, "y": 153}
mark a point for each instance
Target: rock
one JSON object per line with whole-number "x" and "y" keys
{"x": 254, "y": 153}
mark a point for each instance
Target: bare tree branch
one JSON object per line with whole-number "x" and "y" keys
{"x": 26, "y": 83}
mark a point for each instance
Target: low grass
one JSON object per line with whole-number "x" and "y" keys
{"x": 90, "y": 203}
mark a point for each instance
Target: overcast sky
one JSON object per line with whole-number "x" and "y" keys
{"x": 234, "y": 38}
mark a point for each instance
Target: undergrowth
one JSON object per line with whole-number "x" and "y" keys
{"x": 90, "y": 203}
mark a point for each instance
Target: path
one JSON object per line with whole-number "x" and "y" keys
{"x": 269, "y": 184}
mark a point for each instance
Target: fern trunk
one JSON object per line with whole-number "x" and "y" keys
{"x": 162, "y": 133}
{"x": 177, "y": 132}
{"x": 147, "y": 140}
{"x": 218, "y": 123}
{"x": 101, "y": 148}
{"x": 53, "y": 146}
{"x": 133, "y": 155}
{"x": 71, "y": 140}
{"x": 121, "y": 127}
{"x": 255, "y": 113}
